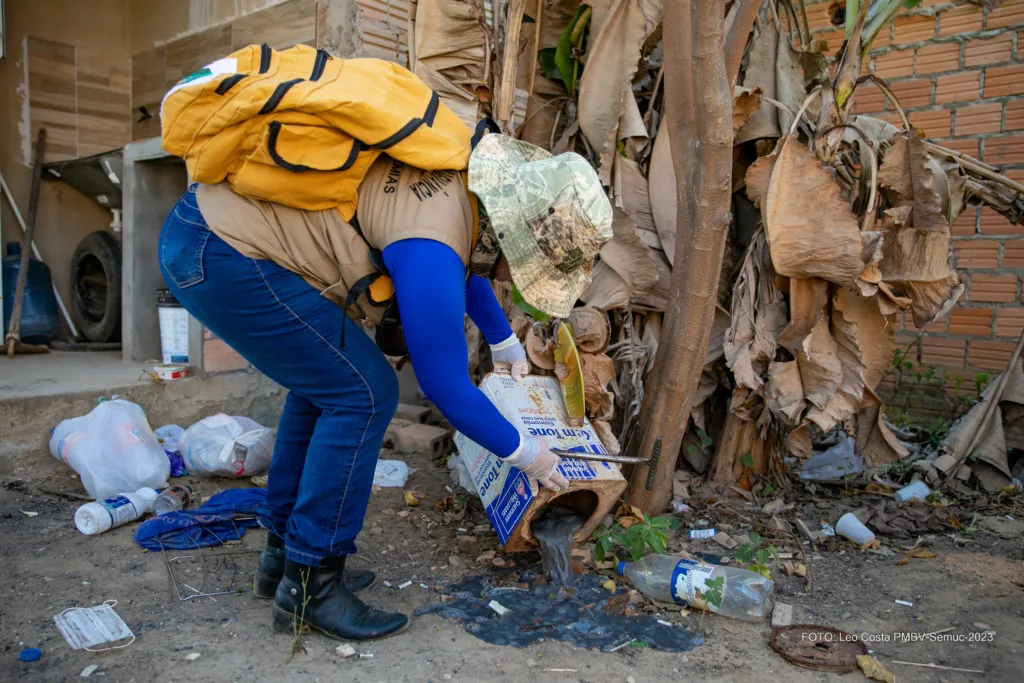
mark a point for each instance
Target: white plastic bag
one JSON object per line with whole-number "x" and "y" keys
{"x": 168, "y": 436}
{"x": 225, "y": 446}
{"x": 113, "y": 449}
{"x": 391, "y": 473}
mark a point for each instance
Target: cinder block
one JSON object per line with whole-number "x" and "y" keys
{"x": 421, "y": 438}
{"x": 413, "y": 413}
{"x": 396, "y": 425}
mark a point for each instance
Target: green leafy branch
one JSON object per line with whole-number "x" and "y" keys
{"x": 756, "y": 558}
{"x": 645, "y": 533}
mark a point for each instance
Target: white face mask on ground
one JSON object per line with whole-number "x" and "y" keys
{"x": 86, "y": 627}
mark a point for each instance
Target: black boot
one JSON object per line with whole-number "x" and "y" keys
{"x": 270, "y": 569}
{"x": 317, "y": 597}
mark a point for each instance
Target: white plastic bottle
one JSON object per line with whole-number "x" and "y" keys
{"x": 745, "y": 594}
{"x": 103, "y": 515}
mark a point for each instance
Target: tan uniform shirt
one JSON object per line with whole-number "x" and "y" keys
{"x": 396, "y": 202}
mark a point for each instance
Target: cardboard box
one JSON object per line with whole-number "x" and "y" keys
{"x": 535, "y": 407}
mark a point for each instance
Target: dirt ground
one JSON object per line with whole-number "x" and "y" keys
{"x": 973, "y": 585}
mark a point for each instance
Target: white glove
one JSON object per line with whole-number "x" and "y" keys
{"x": 535, "y": 459}
{"x": 510, "y": 353}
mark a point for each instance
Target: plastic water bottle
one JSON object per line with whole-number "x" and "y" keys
{"x": 172, "y": 499}
{"x": 745, "y": 594}
{"x": 103, "y": 515}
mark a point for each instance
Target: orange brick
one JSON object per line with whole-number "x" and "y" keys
{"x": 982, "y": 52}
{"x": 934, "y": 122}
{"x": 868, "y": 99}
{"x": 818, "y": 16}
{"x": 916, "y": 92}
{"x": 895, "y": 64}
{"x": 982, "y": 118}
{"x": 1006, "y": 149}
{"x": 962, "y": 87}
{"x": 1004, "y": 81}
{"x": 1009, "y": 322}
{"x": 833, "y": 38}
{"x": 913, "y": 29}
{"x": 994, "y": 223}
{"x": 968, "y": 146}
{"x": 949, "y": 353}
{"x": 976, "y": 253}
{"x": 966, "y": 223}
{"x": 1013, "y": 254}
{"x": 935, "y": 58}
{"x": 219, "y": 357}
{"x": 1015, "y": 174}
{"x": 976, "y": 321}
{"x": 966, "y": 19}
{"x": 1014, "y": 116}
{"x": 934, "y": 327}
{"x": 1010, "y": 14}
{"x": 991, "y": 355}
{"x": 993, "y": 288}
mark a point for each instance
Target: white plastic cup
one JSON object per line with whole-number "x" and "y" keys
{"x": 918, "y": 490}
{"x": 103, "y": 515}
{"x": 850, "y": 527}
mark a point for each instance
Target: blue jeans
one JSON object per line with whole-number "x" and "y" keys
{"x": 340, "y": 400}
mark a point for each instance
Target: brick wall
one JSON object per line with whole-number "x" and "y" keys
{"x": 958, "y": 71}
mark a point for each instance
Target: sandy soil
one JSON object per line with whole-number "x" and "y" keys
{"x": 976, "y": 578}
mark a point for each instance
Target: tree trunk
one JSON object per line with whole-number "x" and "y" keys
{"x": 699, "y": 103}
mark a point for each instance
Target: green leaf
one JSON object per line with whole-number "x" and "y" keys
{"x": 911, "y": 4}
{"x": 748, "y": 460}
{"x": 546, "y": 59}
{"x": 755, "y": 538}
{"x": 691, "y": 449}
{"x": 774, "y": 551}
{"x": 526, "y": 308}
{"x": 768, "y": 488}
{"x": 657, "y": 542}
{"x": 706, "y": 441}
{"x": 599, "y": 552}
{"x": 661, "y": 522}
{"x": 636, "y": 548}
{"x": 568, "y": 66}
{"x": 745, "y": 554}
{"x": 763, "y": 556}
{"x": 701, "y": 433}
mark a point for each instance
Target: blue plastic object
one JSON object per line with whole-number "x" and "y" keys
{"x": 40, "y": 322}
{"x": 30, "y": 654}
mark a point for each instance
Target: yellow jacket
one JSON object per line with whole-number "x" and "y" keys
{"x": 301, "y": 128}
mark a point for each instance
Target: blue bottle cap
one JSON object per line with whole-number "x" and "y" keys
{"x": 621, "y": 569}
{"x": 30, "y": 654}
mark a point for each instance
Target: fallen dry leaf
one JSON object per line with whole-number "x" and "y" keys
{"x": 921, "y": 554}
{"x": 874, "y": 669}
{"x": 609, "y": 586}
{"x": 800, "y": 569}
{"x": 590, "y": 329}
{"x": 745, "y": 103}
{"x": 905, "y": 560}
{"x": 758, "y": 175}
{"x": 410, "y": 499}
{"x": 873, "y": 544}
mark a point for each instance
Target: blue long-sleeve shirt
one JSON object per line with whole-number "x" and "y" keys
{"x": 434, "y": 297}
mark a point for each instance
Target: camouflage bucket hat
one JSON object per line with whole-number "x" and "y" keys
{"x": 549, "y": 214}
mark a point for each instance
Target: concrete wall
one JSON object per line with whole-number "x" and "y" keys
{"x": 155, "y": 22}
{"x": 96, "y": 27}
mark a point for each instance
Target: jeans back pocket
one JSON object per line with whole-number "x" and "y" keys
{"x": 182, "y": 242}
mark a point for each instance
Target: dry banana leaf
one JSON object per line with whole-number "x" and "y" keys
{"x": 661, "y": 178}
{"x": 629, "y": 257}
{"x": 450, "y": 53}
{"x": 607, "y": 289}
{"x": 612, "y": 59}
{"x": 761, "y": 74}
{"x": 657, "y": 299}
{"x": 799, "y": 442}
{"x": 631, "y": 195}
{"x": 811, "y": 231}
{"x": 540, "y": 347}
{"x": 820, "y": 367}
{"x": 875, "y": 442}
{"x": 570, "y": 375}
{"x": 807, "y": 300}
{"x": 598, "y": 371}
{"x": 591, "y": 329}
{"x": 607, "y": 436}
{"x": 784, "y": 394}
{"x": 758, "y": 175}
{"x": 745, "y": 103}
{"x": 758, "y": 316}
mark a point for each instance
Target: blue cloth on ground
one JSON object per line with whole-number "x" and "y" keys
{"x": 224, "y": 517}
